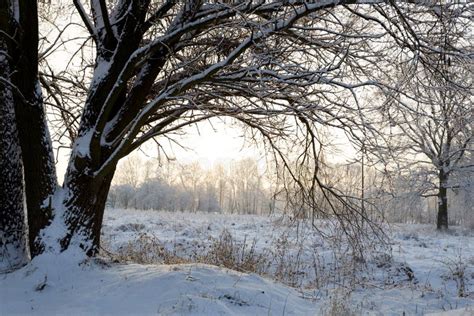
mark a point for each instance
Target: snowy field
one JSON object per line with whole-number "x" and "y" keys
{"x": 160, "y": 263}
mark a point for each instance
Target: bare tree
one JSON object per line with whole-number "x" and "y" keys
{"x": 428, "y": 121}
{"x": 162, "y": 65}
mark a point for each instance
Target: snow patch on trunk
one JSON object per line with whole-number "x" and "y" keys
{"x": 100, "y": 72}
{"x": 82, "y": 144}
{"x": 57, "y": 229}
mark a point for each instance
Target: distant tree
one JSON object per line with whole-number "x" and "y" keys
{"x": 428, "y": 123}
{"x": 247, "y": 180}
{"x": 130, "y": 171}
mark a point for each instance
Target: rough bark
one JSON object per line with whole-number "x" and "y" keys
{"x": 442, "y": 220}
{"x": 84, "y": 205}
{"x": 35, "y": 142}
{"x": 13, "y": 247}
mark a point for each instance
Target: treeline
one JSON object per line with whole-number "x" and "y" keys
{"x": 236, "y": 187}
{"x": 245, "y": 187}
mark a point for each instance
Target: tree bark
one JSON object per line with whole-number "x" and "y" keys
{"x": 21, "y": 42}
{"x": 36, "y": 147}
{"x": 13, "y": 247}
{"x": 442, "y": 220}
{"x": 84, "y": 204}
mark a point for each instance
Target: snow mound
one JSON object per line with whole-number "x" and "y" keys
{"x": 65, "y": 287}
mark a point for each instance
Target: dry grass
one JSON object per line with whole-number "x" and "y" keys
{"x": 146, "y": 249}
{"x": 282, "y": 259}
{"x": 457, "y": 272}
{"x": 226, "y": 252}
{"x": 339, "y": 304}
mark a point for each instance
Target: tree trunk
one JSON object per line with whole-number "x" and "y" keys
{"x": 40, "y": 173}
{"x": 84, "y": 204}
{"x": 13, "y": 248}
{"x": 442, "y": 220}
{"x": 35, "y": 141}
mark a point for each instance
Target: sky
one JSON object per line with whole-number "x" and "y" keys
{"x": 207, "y": 143}
{"x": 214, "y": 141}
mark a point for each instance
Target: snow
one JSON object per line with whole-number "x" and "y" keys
{"x": 15, "y": 5}
{"x": 82, "y": 143}
{"x": 69, "y": 283}
{"x": 467, "y": 311}
{"x": 55, "y": 285}
{"x": 50, "y": 234}
{"x": 101, "y": 70}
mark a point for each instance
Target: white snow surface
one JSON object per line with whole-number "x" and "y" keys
{"x": 68, "y": 283}
{"x": 91, "y": 289}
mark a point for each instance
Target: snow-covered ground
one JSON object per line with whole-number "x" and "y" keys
{"x": 284, "y": 268}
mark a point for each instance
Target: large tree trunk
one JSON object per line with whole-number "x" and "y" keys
{"x": 84, "y": 204}
{"x": 442, "y": 220}
{"x": 13, "y": 247}
{"x": 35, "y": 141}
{"x": 40, "y": 173}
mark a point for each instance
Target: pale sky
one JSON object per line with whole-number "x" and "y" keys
{"x": 210, "y": 142}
